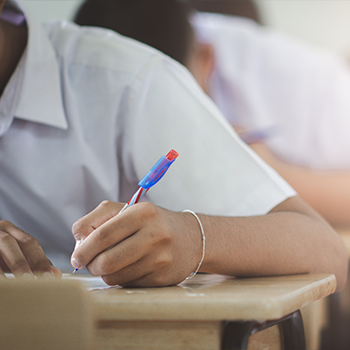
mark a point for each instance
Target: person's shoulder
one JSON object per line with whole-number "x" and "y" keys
{"x": 97, "y": 47}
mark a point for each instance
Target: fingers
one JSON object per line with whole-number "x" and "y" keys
{"x": 110, "y": 233}
{"x": 35, "y": 256}
{"x": 56, "y": 272}
{"x": 139, "y": 275}
{"x": 142, "y": 273}
{"x": 21, "y": 253}
{"x": 151, "y": 280}
{"x": 118, "y": 257}
{"x": 12, "y": 255}
{"x": 83, "y": 227}
{"x": 128, "y": 274}
{"x": 90, "y": 222}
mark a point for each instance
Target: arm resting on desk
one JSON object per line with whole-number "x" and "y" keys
{"x": 291, "y": 239}
{"x": 152, "y": 246}
{"x": 328, "y": 191}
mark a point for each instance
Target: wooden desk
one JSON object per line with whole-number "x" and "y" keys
{"x": 208, "y": 312}
{"x": 45, "y": 314}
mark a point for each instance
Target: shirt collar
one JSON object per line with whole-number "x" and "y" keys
{"x": 40, "y": 98}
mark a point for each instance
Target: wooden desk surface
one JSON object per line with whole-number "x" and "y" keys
{"x": 214, "y": 297}
{"x": 187, "y": 316}
{"x": 45, "y": 314}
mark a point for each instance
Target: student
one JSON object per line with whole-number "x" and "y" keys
{"x": 263, "y": 82}
{"x": 84, "y": 114}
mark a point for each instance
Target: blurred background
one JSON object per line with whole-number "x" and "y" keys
{"x": 320, "y": 22}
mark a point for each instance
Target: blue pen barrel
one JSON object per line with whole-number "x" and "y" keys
{"x": 156, "y": 173}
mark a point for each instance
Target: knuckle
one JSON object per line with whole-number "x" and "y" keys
{"x": 106, "y": 203}
{"x": 5, "y": 238}
{"x": 150, "y": 211}
{"x": 29, "y": 240}
{"x": 163, "y": 261}
{"x": 165, "y": 237}
{"x": 110, "y": 207}
{"x": 160, "y": 238}
{"x": 78, "y": 226}
{"x": 5, "y": 224}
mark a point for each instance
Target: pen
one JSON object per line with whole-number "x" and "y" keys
{"x": 151, "y": 178}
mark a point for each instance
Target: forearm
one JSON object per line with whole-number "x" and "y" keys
{"x": 328, "y": 192}
{"x": 282, "y": 242}
{"x": 147, "y": 245}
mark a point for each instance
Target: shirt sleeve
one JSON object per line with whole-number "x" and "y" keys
{"x": 215, "y": 172}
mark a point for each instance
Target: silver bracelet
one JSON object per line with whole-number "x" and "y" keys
{"x": 192, "y": 274}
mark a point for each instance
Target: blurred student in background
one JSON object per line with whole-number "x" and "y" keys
{"x": 290, "y": 101}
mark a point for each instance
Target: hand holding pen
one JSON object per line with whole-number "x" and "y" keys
{"x": 145, "y": 246}
{"x": 149, "y": 180}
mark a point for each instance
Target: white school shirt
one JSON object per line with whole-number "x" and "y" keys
{"x": 264, "y": 79}
{"x": 88, "y": 112}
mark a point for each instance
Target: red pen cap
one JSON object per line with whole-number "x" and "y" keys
{"x": 172, "y": 155}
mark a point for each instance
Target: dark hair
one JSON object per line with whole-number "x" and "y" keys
{"x": 162, "y": 24}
